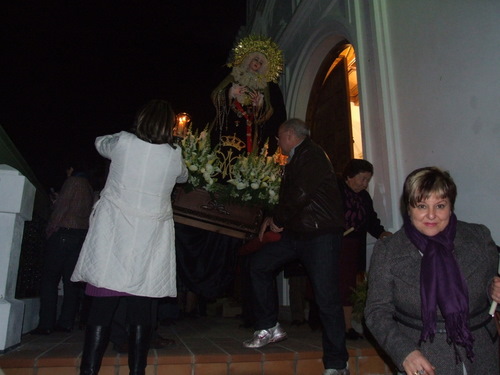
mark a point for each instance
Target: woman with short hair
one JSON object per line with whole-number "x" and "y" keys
{"x": 360, "y": 218}
{"x": 431, "y": 285}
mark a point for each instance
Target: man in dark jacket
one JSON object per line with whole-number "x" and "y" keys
{"x": 309, "y": 216}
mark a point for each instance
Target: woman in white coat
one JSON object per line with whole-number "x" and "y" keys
{"x": 129, "y": 252}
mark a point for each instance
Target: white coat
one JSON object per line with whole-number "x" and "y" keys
{"x": 130, "y": 246}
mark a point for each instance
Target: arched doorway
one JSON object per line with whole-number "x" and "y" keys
{"x": 333, "y": 108}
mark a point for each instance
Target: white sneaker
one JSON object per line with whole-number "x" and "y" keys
{"x": 266, "y": 336}
{"x": 333, "y": 371}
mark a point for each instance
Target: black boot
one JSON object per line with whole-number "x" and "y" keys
{"x": 138, "y": 347}
{"x": 96, "y": 341}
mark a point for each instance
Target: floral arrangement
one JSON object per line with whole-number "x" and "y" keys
{"x": 200, "y": 159}
{"x": 255, "y": 178}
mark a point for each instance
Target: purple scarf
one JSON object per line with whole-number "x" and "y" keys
{"x": 354, "y": 208}
{"x": 442, "y": 284}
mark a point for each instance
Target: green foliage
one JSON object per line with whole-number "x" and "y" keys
{"x": 358, "y": 299}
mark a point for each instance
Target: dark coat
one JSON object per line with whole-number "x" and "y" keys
{"x": 310, "y": 202}
{"x": 371, "y": 224}
{"x": 394, "y": 293}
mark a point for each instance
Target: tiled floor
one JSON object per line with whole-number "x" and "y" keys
{"x": 205, "y": 346}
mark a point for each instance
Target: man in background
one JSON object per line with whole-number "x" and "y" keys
{"x": 66, "y": 231}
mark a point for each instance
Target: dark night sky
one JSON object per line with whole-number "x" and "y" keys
{"x": 73, "y": 70}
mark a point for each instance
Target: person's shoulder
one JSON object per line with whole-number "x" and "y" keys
{"x": 309, "y": 151}
{"x": 79, "y": 178}
{"x": 308, "y": 145}
{"x": 319, "y": 154}
{"x": 127, "y": 139}
{"x": 472, "y": 229}
{"x": 393, "y": 249}
{"x": 122, "y": 134}
{"x": 312, "y": 145}
{"x": 125, "y": 134}
{"x": 75, "y": 181}
{"x": 397, "y": 241}
{"x": 364, "y": 194}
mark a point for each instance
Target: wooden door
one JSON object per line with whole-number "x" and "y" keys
{"x": 329, "y": 114}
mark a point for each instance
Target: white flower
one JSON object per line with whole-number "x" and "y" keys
{"x": 241, "y": 185}
{"x": 200, "y": 159}
{"x": 255, "y": 177}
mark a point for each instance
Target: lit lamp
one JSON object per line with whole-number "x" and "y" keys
{"x": 183, "y": 121}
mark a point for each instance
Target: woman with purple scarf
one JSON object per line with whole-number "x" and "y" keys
{"x": 431, "y": 285}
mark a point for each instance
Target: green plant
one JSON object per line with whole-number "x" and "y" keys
{"x": 358, "y": 299}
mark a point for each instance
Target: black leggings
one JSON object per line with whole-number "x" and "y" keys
{"x": 102, "y": 310}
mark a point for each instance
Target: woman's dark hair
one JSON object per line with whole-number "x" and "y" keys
{"x": 355, "y": 166}
{"x": 422, "y": 182}
{"x": 155, "y": 123}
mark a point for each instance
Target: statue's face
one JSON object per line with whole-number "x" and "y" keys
{"x": 256, "y": 62}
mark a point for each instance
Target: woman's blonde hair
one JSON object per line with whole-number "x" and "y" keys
{"x": 423, "y": 182}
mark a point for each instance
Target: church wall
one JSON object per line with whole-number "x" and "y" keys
{"x": 429, "y": 88}
{"x": 446, "y": 56}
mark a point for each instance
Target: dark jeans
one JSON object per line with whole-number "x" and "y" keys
{"x": 320, "y": 257}
{"x": 61, "y": 255}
